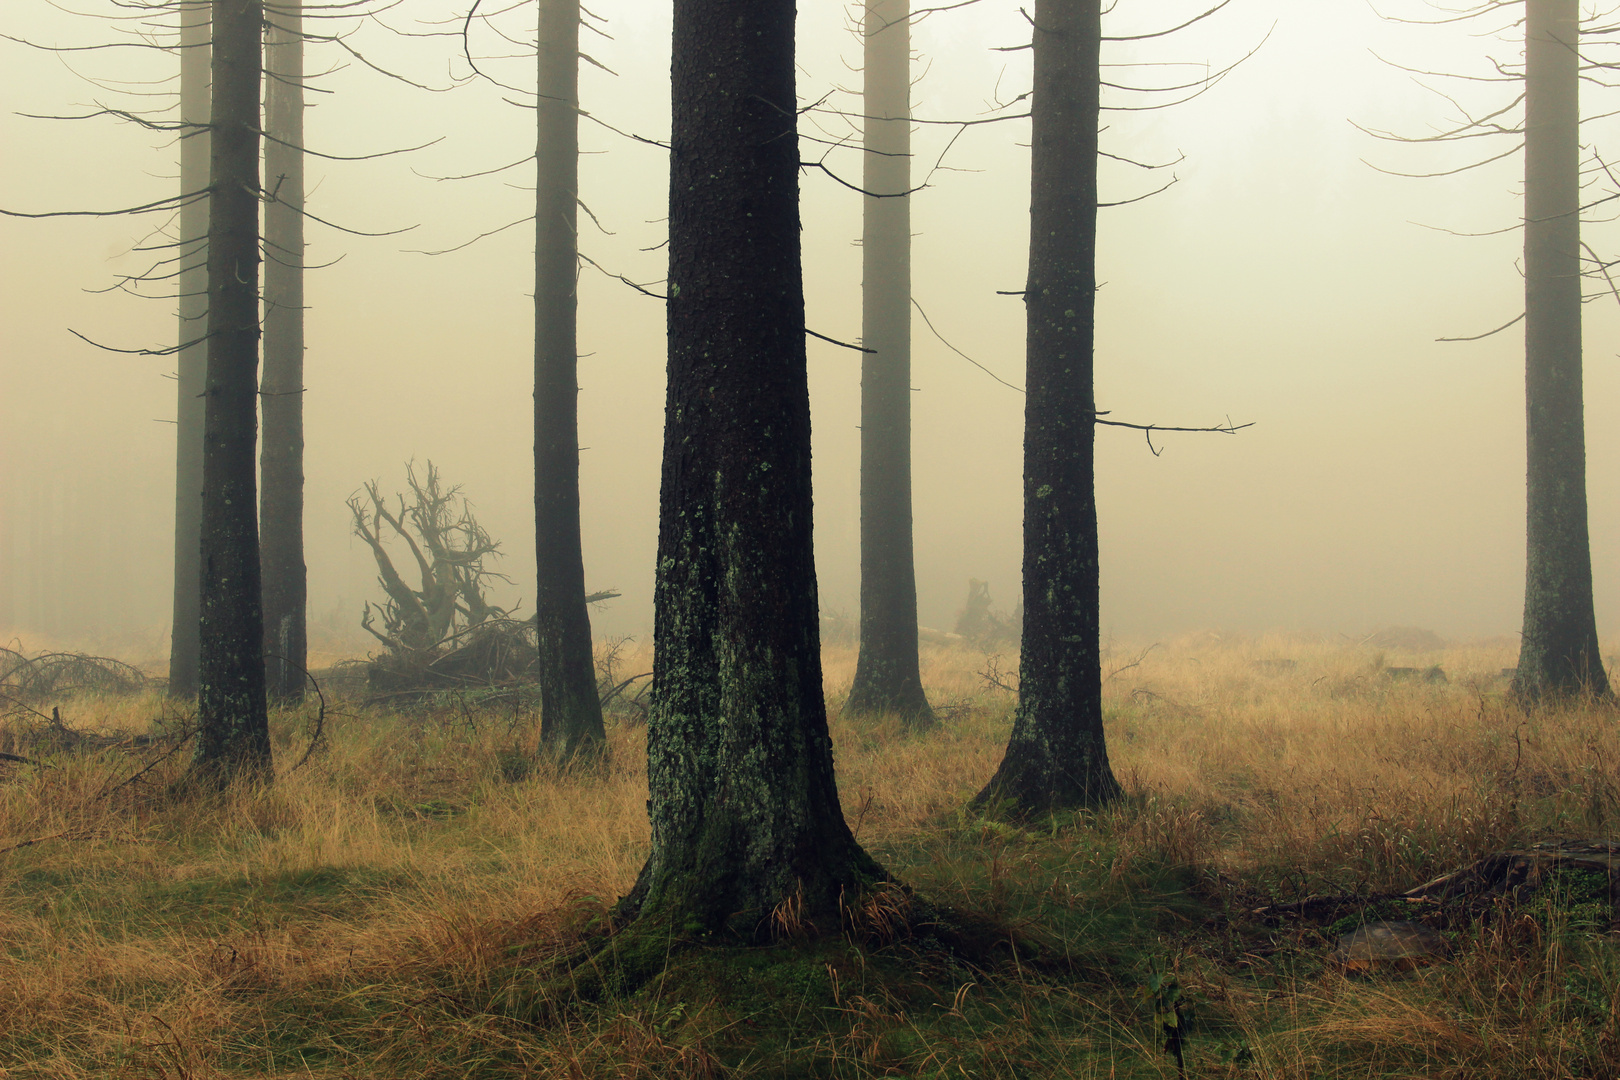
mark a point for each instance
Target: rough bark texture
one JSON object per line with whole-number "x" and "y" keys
{"x": 233, "y": 737}
{"x": 746, "y": 823}
{"x": 281, "y": 458}
{"x": 1559, "y": 653}
{"x": 191, "y": 360}
{"x": 886, "y": 674}
{"x": 1056, "y": 757}
{"x": 570, "y": 711}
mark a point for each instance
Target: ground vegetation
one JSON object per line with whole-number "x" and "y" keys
{"x": 382, "y": 910}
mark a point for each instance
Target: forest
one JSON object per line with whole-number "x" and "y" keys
{"x": 1198, "y": 796}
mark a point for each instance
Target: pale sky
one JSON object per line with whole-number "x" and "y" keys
{"x": 1281, "y": 280}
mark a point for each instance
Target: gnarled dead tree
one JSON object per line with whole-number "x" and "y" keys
{"x": 422, "y": 622}
{"x": 442, "y": 632}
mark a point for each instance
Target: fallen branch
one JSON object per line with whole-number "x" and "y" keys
{"x": 613, "y": 693}
{"x": 1513, "y": 870}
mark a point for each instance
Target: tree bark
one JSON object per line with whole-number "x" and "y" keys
{"x": 192, "y": 358}
{"x": 570, "y": 710}
{"x": 281, "y": 461}
{"x": 744, "y": 806}
{"x": 1056, "y": 757}
{"x": 887, "y": 678}
{"x": 233, "y": 737}
{"x": 1559, "y": 652}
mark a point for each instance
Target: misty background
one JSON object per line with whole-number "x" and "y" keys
{"x": 1281, "y": 280}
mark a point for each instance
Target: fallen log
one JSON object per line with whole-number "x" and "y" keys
{"x": 1515, "y": 871}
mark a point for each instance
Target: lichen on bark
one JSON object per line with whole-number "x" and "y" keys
{"x": 746, "y": 823}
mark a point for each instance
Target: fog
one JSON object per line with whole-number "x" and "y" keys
{"x": 1281, "y": 280}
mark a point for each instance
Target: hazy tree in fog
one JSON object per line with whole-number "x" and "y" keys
{"x": 1056, "y": 756}
{"x": 570, "y": 711}
{"x": 281, "y": 461}
{"x": 886, "y": 674}
{"x": 742, "y": 798}
{"x": 1559, "y": 653}
{"x": 233, "y": 738}
{"x": 192, "y": 357}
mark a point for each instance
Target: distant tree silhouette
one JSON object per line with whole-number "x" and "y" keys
{"x": 570, "y": 710}
{"x": 281, "y": 460}
{"x": 192, "y": 355}
{"x": 887, "y": 677}
{"x": 1558, "y": 653}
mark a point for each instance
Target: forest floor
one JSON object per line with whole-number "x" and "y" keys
{"x": 381, "y": 911}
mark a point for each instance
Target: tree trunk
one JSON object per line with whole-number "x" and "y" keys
{"x": 233, "y": 738}
{"x": 886, "y": 674}
{"x": 192, "y": 359}
{"x": 1559, "y": 652}
{"x": 570, "y": 711}
{"x": 1056, "y": 758}
{"x": 744, "y": 806}
{"x": 281, "y": 462}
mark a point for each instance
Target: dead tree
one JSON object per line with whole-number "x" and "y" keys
{"x": 449, "y": 549}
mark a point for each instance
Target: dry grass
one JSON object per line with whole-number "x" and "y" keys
{"x": 369, "y": 914}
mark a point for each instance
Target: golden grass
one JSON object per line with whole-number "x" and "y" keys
{"x": 338, "y": 922}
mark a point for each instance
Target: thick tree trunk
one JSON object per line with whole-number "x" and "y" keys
{"x": 570, "y": 711}
{"x": 281, "y": 461}
{"x": 745, "y": 815}
{"x": 1559, "y": 652}
{"x": 1056, "y": 757}
{"x": 886, "y": 674}
{"x": 192, "y": 359}
{"x": 233, "y": 738}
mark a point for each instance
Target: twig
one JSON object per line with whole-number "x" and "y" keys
{"x": 154, "y": 763}
{"x": 1143, "y": 655}
{"x": 613, "y": 693}
{"x": 320, "y": 715}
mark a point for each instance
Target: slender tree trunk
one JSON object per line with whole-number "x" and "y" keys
{"x": 281, "y": 462}
{"x": 233, "y": 737}
{"x": 1056, "y": 757}
{"x": 192, "y": 359}
{"x": 886, "y": 674}
{"x": 1559, "y": 653}
{"x": 743, "y": 802}
{"x": 570, "y": 711}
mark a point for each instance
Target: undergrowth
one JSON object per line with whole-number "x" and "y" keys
{"x": 399, "y": 906}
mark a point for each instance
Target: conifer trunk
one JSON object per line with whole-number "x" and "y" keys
{"x": 1056, "y": 757}
{"x": 281, "y": 459}
{"x": 1559, "y": 652}
{"x": 191, "y": 359}
{"x": 743, "y": 802}
{"x": 233, "y": 737}
{"x": 887, "y": 678}
{"x": 570, "y": 711}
